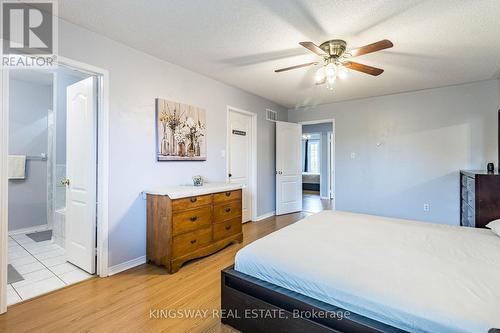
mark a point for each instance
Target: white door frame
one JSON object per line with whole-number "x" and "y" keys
{"x": 4, "y": 130}
{"x": 331, "y": 159}
{"x": 253, "y": 157}
{"x": 102, "y": 169}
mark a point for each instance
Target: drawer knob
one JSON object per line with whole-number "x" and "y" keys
{"x": 193, "y": 241}
{"x": 193, "y": 218}
{"x": 228, "y": 194}
{"x": 193, "y": 199}
{"x": 228, "y": 227}
{"x": 227, "y": 210}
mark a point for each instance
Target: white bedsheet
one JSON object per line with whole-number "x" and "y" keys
{"x": 417, "y": 276}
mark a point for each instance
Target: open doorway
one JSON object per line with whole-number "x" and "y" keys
{"x": 318, "y": 166}
{"x": 52, "y": 180}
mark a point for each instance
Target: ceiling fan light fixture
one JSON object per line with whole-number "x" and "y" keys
{"x": 330, "y": 71}
{"x": 320, "y": 75}
{"x": 342, "y": 72}
{"x": 335, "y": 56}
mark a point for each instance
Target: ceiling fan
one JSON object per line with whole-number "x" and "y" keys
{"x": 336, "y": 60}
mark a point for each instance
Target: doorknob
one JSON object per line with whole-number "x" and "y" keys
{"x": 230, "y": 175}
{"x": 65, "y": 182}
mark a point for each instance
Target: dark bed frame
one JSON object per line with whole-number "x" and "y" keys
{"x": 310, "y": 187}
{"x": 255, "y": 306}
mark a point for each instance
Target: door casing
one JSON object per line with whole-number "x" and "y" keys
{"x": 102, "y": 169}
{"x": 331, "y": 156}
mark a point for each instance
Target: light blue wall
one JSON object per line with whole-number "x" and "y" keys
{"x": 135, "y": 80}
{"x": 323, "y": 130}
{"x": 29, "y": 104}
{"x": 408, "y": 148}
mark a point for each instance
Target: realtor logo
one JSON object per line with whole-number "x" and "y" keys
{"x": 28, "y": 32}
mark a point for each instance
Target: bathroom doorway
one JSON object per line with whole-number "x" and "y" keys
{"x": 52, "y": 180}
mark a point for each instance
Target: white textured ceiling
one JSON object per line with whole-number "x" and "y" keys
{"x": 241, "y": 42}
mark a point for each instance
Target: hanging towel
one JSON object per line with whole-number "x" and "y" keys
{"x": 17, "y": 166}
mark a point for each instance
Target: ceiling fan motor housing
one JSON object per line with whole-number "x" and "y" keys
{"x": 334, "y": 48}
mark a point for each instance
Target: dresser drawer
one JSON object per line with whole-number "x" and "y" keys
{"x": 192, "y": 202}
{"x": 227, "y": 196}
{"x": 224, "y": 212}
{"x": 191, "y": 241}
{"x": 227, "y": 228}
{"x": 190, "y": 220}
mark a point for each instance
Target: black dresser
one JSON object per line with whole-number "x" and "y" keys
{"x": 480, "y": 198}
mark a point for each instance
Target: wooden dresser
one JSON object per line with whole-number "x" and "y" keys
{"x": 187, "y": 222}
{"x": 480, "y": 198}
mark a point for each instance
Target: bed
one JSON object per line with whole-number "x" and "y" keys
{"x": 310, "y": 181}
{"x": 389, "y": 275}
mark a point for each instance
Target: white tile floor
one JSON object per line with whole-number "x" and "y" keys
{"x": 43, "y": 266}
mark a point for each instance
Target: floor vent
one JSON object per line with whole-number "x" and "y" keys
{"x": 271, "y": 115}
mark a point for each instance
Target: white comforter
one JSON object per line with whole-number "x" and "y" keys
{"x": 420, "y": 277}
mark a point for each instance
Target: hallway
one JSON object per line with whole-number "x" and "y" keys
{"x": 312, "y": 203}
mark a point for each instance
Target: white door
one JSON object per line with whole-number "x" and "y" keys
{"x": 240, "y": 157}
{"x": 288, "y": 168}
{"x": 81, "y": 174}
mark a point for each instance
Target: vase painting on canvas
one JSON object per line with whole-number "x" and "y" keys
{"x": 180, "y": 132}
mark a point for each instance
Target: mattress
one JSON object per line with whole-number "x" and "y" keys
{"x": 310, "y": 178}
{"x": 420, "y": 277}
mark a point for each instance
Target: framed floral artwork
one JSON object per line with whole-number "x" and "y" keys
{"x": 180, "y": 132}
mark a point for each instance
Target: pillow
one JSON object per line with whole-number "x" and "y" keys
{"x": 494, "y": 226}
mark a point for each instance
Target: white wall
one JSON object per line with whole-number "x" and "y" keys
{"x": 409, "y": 147}
{"x": 136, "y": 79}
{"x": 29, "y": 104}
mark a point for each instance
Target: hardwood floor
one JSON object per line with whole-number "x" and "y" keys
{"x": 312, "y": 202}
{"x": 128, "y": 302}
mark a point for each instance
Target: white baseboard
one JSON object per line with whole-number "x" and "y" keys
{"x": 126, "y": 265}
{"x": 265, "y": 216}
{"x": 29, "y": 230}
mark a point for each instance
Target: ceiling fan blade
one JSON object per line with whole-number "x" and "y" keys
{"x": 296, "y": 66}
{"x": 363, "y": 68}
{"x": 380, "y": 45}
{"x": 314, "y": 48}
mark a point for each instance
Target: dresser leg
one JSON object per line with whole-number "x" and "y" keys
{"x": 239, "y": 239}
{"x": 173, "y": 267}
